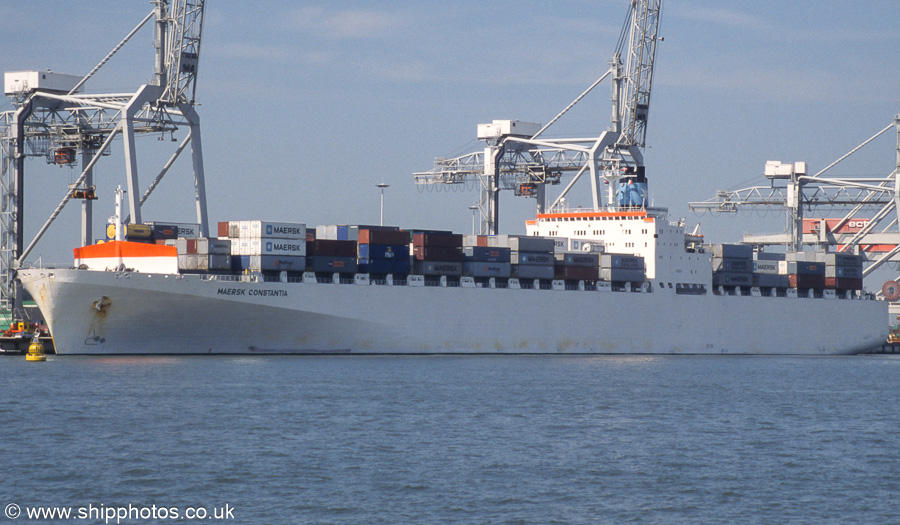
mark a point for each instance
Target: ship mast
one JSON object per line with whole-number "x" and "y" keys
{"x": 527, "y": 163}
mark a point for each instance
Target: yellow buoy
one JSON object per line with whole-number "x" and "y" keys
{"x": 35, "y": 352}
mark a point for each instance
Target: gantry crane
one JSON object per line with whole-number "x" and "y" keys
{"x": 53, "y": 119}
{"x": 872, "y": 213}
{"x": 517, "y": 159}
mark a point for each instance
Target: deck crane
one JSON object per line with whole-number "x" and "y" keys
{"x": 517, "y": 158}
{"x": 54, "y": 119}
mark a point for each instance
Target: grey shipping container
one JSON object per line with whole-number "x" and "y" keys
{"x": 487, "y": 269}
{"x": 213, "y": 246}
{"x": 770, "y": 280}
{"x": 578, "y": 259}
{"x": 767, "y": 266}
{"x": 486, "y": 253}
{"x": 277, "y": 263}
{"x": 438, "y": 268}
{"x": 629, "y": 262}
{"x": 844, "y": 259}
{"x": 532, "y": 271}
{"x": 720, "y": 264}
{"x": 523, "y": 243}
{"x": 733, "y": 251}
{"x": 621, "y": 275}
{"x": 531, "y": 258}
{"x": 188, "y": 262}
{"x": 732, "y": 279}
{"x": 805, "y": 257}
{"x": 219, "y": 261}
{"x": 768, "y": 256}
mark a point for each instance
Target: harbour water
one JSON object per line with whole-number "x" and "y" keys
{"x": 457, "y": 439}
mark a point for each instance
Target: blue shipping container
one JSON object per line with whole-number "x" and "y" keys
{"x": 486, "y": 254}
{"x": 384, "y": 266}
{"x": 383, "y": 251}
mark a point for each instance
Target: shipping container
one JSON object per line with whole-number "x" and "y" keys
{"x": 523, "y": 243}
{"x": 437, "y": 253}
{"x": 732, "y": 279}
{"x": 532, "y": 271}
{"x": 538, "y": 258}
{"x": 164, "y": 231}
{"x": 838, "y": 283}
{"x": 132, "y": 231}
{"x": 383, "y": 251}
{"x": 590, "y": 260}
{"x": 805, "y": 268}
{"x": 768, "y": 267}
{"x": 732, "y": 251}
{"x": 486, "y": 269}
{"x": 806, "y": 281}
{"x": 384, "y": 266}
{"x": 326, "y": 232}
{"x": 844, "y": 259}
{"x": 585, "y": 245}
{"x": 310, "y": 234}
{"x": 185, "y": 229}
{"x": 224, "y": 229}
{"x": 448, "y": 268}
{"x": 331, "y": 264}
{"x": 269, "y": 263}
{"x": 631, "y": 262}
{"x": 622, "y": 275}
{"x": 720, "y": 264}
{"x": 219, "y": 262}
{"x": 805, "y": 257}
{"x": 577, "y": 273}
{"x": 770, "y": 280}
{"x": 437, "y": 240}
{"x": 768, "y": 256}
{"x": 844, "y": 272}
{"x": 486, "y": 254}
{"x": 273, "y": 230}
{"x": 330, "y": 247}
{"x": 378, "y": 236}
{"x": 342, "y": 232}
{"x": 260, "y": 246}
{"x": 213, "y": 246}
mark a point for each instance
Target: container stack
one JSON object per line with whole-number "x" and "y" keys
{"x": 266, "y": 246}
{"x": 804, "y": 270}
{"x": 203, "y": 254}
{"x": 770, "y": 270}
{"x": 732, "y": 265}
{"x": 383, "y": 250}
{"x": 437, "y": 253}
{"x": 577, "y": 266}
{"x": 622, "y": 268}
{"x": 483, "y": 261}
{"x": 530, "y": 257}
{"x": 844, "y": 271}
{"x": 331, "y": 256}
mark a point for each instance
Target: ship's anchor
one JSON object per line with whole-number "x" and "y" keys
{"x": 102, "y": 304}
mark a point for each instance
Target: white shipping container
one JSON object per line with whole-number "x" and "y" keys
{"x": 326, "y": 231}
{"x": 259, "y": 246}
{"x": 277, "y": 230}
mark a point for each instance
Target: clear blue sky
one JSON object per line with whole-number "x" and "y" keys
{"x": 307, "y": 105}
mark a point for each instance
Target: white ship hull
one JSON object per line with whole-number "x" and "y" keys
{"x": 96, "y": 312}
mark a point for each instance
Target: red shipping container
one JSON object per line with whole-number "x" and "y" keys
{"x": 223, "y": 229}
{"x": 373, "y": 236}
{"x": 806, "y": 281}
{"x": 843, "y": 283}
{"x": 437, "y": 253}
{"x": 331, "y": 248}
{"x": 577, "y": 273}
{"x": 191, "y": 247}
{"x": 481, "y": 240}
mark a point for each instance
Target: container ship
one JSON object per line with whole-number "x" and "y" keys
{"x": 263, "y": 287}
{"x": 619, "y": 277}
